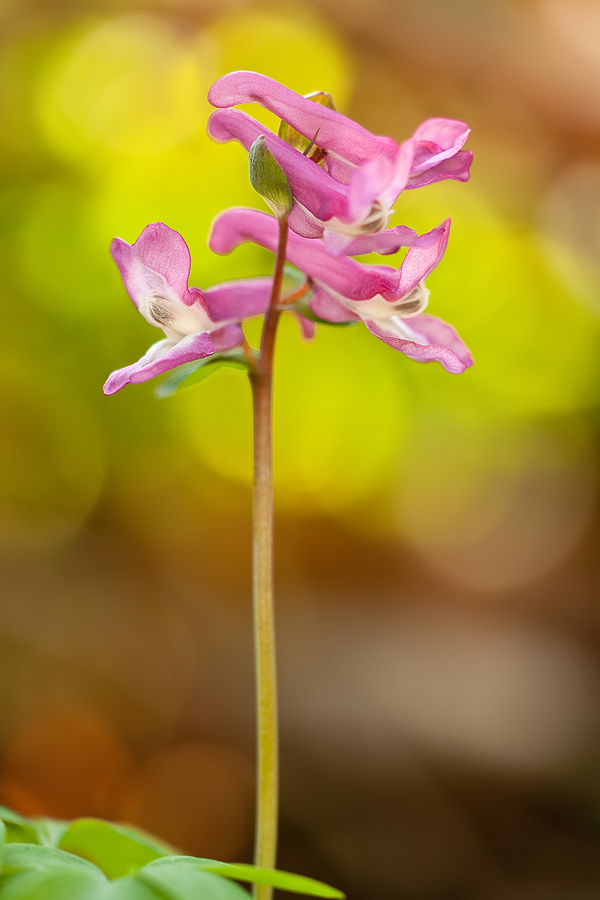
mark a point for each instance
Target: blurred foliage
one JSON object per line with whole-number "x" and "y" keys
{"x": 89, "y": 858}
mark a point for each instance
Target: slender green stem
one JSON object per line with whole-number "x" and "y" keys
{"x": 264, "y": 624}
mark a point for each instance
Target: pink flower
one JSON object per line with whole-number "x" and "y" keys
{"x": 155, "y": 271}
{"x": 389, "y": 301}
{"x": 352, "y": 194}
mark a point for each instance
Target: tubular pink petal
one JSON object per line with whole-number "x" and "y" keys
{"x": 336, "y": 132}
{"x": 118, "y": 379}
{"x": 442, "y": 345}
{"x": 338, "y": 244}
{"x": 238, "y": 299}
{"x": 307, "y": 328}
{"x": 457, "y": 168}
{"x": 303, "y": 224}
{"x": 368, "y": 184}
{"x": 330, "y": 308}
{"x": 436, "y": 331}
{"x": 384, "y": 242}
{"x": 227, "y": 338}
{"x": 420, "y": 261}
{"x": 446, "y": 135}
{"x": 401, "y": 170}
{"x": 338, "y": 168}
{"x": 343, "y": 275}
{"x": 189, "y": 348}
{"x": 311, "y": 186}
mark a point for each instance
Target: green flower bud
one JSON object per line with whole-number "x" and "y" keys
{"x": 268, "y": 178}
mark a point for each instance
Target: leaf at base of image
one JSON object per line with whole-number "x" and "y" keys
{"x": 90, "y": 859}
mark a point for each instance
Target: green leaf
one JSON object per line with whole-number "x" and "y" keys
{"x": 149, "y": 840}
{"x": 50, "y": 831}
{"x": 53, "y": 884}
{"x": 8, "y": 815}
{"x": 286, "y": 881}
{"x": 18, "y": 829}
{"x": 20, "y": 834}
{"x": 199, "y": 369}
{"x": 116, "y": 851}
{"x": 182, "y": 881}
{"x": 31, "y": 857}
{"x": 133, "y": 888}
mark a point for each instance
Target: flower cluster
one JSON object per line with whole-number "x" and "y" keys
{"x": 342, "y": 183}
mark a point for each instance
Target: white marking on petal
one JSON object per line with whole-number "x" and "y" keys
{"x": 400, "y": 328}
{"x": 375, "y": 221}
{"x": 382, "y": 311}
{"x": 175, "y": 318}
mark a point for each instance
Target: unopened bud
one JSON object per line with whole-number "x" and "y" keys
{"x": 268, "y": 178}
{"x": 299, "y": 141}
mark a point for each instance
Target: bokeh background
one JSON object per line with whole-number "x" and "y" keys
{"x": 437, "y": 562}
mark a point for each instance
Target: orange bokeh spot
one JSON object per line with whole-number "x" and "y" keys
{"x": 64, "y": 762}
{"x": 197, "y": 796}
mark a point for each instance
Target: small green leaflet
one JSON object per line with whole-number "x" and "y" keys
{"x": 117, "y": 851}
{"x": 286, "y": 881}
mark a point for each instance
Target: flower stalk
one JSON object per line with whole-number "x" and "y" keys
{"x": 261, "y": 379}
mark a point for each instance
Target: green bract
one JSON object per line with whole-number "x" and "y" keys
{"x": 89, "y": 859}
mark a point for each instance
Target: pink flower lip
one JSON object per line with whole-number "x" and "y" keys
{"x": 155, "y": 271}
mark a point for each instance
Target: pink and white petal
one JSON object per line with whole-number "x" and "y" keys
{"x": 311, "y": 186}
{"x": 161, "y": 358}
{"x": 336, "y": 132}
{"x": 384, "y": 242}
{"x": 458, "y": 168}
{"x": 368, "y": 185}
{"x": 236, "y": 300}
{"x": 442, "y": 344}
{"x": 161, "y": 249}
{"x": 132, "y": 271}
{"x": 420, "y": 261}
{"x": 227, "y": 338}
{"x": 339, "y": 244}
{"x": 118, "y": 379}
{"x": 189, "y": 348}
{"x": 401, "y": 169}
{"x": 436, "y": 331}
{"x": 330, "y": 308}
{"x": 445, "y": 137}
